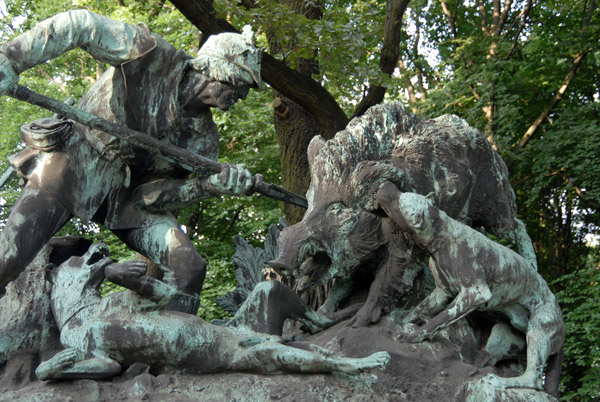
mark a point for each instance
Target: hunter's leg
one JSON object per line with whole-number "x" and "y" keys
{"x": 33, "y": 220}
{"x": 270, "y": 357}
{"x": 65, "y": 365}
{"x": 166, "y": 245}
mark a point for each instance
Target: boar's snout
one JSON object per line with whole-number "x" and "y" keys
{"x": 290, "y": 240}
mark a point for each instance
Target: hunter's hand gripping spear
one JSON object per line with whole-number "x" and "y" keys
{"x": 173, "y": 154}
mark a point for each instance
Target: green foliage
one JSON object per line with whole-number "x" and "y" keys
{"x": 500, "y": 83}
{"x": 561, "y": 175}
{"x": 579, "y": 294}
{"x": 346, "y": 41}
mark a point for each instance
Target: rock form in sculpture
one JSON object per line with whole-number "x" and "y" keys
{"x": 343, "y": 236}
{"x": 250, "y": 263}
{"x": 102, "y": 335}
{"x": 473, "y": 272}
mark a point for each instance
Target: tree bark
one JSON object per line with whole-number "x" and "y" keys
{"x": 412, "y": 99}
{"x": 449, "y": 18}
{"x": 296, "y": 125}
{"x": 493, "y": 31}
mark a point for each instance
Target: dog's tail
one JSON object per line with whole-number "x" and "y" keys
{"x": 553, "y": 371}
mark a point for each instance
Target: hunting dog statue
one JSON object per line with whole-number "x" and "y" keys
{"x": 472, "y": 272}
{"x": 103, "y": 335}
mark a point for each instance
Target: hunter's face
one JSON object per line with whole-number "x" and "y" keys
{"x": 223, "y": 95}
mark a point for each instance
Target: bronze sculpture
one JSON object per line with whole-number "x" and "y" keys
{"x": 102, "y": 335}
{"x": 343, "y": 236}
{"x": 354, "y": 231}
{"x": 73, "y": 170}
{"x": 473, "y": 272}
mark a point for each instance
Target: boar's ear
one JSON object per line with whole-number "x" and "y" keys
{"x": 366, "y": 237}
{"x": 368, "y": 176}
{"x": 314, "y": 147}
{"x": 417, "y": 220}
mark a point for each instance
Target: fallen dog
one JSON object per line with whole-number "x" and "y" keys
{"x": 472, "y": 272}
{"x": 101, "y": 336}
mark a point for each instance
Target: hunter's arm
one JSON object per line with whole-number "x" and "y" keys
{"x": 107, "y": 40}
{"x": 171, "y": 194}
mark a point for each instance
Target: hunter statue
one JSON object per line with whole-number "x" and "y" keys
{"x": 73, "y": 170}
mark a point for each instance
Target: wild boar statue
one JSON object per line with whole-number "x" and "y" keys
{"x": 344, "y": 237}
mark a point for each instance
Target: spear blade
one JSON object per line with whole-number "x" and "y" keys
{"x": 277, "y": 192}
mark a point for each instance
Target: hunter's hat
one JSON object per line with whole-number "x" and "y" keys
{"x": 230, "y": 57}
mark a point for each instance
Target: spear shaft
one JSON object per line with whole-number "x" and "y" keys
{"x": 171, "y": 153}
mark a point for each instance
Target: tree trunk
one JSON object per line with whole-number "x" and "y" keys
{"x": 389, "y": 53}
{"x": 294, "y": 125}
{"x": 410, "y": 89}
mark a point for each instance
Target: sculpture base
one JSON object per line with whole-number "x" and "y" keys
{"x": 430, "y": 371}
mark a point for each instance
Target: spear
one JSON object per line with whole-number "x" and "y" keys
{"x": 171, "y": 153}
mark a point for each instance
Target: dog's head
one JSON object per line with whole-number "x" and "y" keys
{"x": 76, "y": 282}
{"x": 418, "y": 216}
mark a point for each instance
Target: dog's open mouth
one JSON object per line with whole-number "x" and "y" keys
{"x": 96, "y": 253}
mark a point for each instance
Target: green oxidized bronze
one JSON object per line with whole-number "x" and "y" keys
{"x": 343, "y": 235}
{"x": 369, "y": 227}
{"x": 473, "y": 272}
{"x": 102, "y": 335}
{"x": 153, "y": 88}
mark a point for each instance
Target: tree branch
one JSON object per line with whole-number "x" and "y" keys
{"x": 414, "y": 56}
{"x": 553, "y": 102}
{"x": 565, "y": 85}
{"x": 523, "y": 15}
{"x": 562, "y": 172}
{"x": 231, "y": 223}
{"x": 298, "y": 87}
{"x": 449, "y": 18}
{"x": 412, "y": 99}
{"x": 61, "y": 86}
{"x": 155, "y": 9}
{"x": 483, "y": 15}
{"x": 503, "y": 17}
{"x": 389, "y": 53}
{"x": 495, "y": 18}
